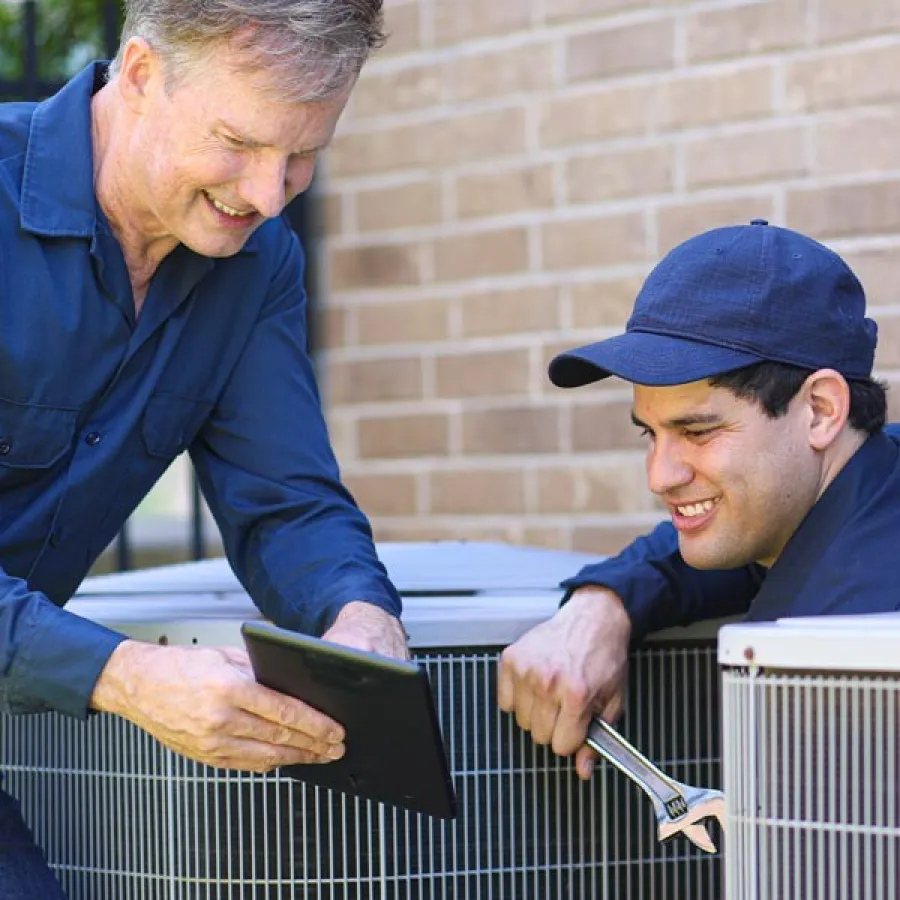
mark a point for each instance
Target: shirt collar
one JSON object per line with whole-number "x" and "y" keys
{"x": 58, "y": 197}
{"x": 865, "y": 473}
{"x": 58, "y": 183}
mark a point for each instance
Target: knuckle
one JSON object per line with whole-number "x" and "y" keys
{"x": 215, "y": 721}
{"x": 270, "y": 760}
{"x": 207, "y": 745}
{"x": 514, "y": 661}
{"x": 283, "y": 735}
{"x": 544, "y": 679}
{"x": 287, "y": 712}
{"x": 523, "y": 719}
{"x": 576, "y": 695}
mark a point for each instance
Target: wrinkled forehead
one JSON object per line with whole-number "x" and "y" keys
{"x": 241, "y": 103}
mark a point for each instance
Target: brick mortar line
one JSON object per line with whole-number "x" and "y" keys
{"x": 784, "y": 58}
{"x": 503, "y": 344}
{"x": 348, "y": 414}
{"x": 436, "y": 290}
{"x": 835, "y": 179}
{"x": 686, "y": 201}
{"x": 646, "y": 136}
{"x": 524, "y": 38}
{"x": 512, "y": 340}
{"x": 617, "y": 206}
{"x": 508, "y": 164}
{"x": 593, "y": 461}
{"x": 445, "y": 290}
{"x": 429, "y": 114}
{"x": 521, "y": 38}
{"x": 581, "y": 212}
{"x": 599, "y": 396}
{"x": 424, "y": 465}
{"x": 400, "y": 353}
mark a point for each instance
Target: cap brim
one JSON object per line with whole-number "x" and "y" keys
{"x": 644, "y": 358}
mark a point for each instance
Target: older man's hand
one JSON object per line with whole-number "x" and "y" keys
{"x": 368, "y": 627}
{"x": 559, "y": 675}
{"x": 205, "y": 704}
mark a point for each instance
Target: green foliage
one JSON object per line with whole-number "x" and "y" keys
{"x": 70, "y": 33}
{"x": 9, "y": 41}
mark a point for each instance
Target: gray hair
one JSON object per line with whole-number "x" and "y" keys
{"x": 312, "y": 49}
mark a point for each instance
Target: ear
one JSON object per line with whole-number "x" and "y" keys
{"x": 828, "y": 398}
{"x": 139, "y": 74}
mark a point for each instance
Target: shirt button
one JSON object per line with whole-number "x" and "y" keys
{"x": 92, "y": 438}
{"x": 5, "y": 447}
{"x": 55, "y": 538}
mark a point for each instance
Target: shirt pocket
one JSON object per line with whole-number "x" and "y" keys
{"x": 171, "y": 422}
{"x": 33, "y": 437}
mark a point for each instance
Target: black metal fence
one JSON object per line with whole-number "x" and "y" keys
{"x": 37, "y": 43}
{"x": 30, "y": 74}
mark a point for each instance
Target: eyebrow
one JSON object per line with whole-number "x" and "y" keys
{"x": 256, "y": 145}
{"x": 682, "y": 421}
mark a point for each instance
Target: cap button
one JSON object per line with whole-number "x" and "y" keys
{"x": 758, "y": 222}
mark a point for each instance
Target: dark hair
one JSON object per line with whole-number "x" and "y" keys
{"x": 773, "y": 385}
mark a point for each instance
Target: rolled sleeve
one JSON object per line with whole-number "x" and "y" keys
{"x": 50, "y": 659}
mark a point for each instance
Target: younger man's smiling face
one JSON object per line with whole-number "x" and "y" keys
{"x": 736, "y": 482}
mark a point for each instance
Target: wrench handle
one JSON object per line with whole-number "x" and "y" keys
{"x": 625, "y": 757}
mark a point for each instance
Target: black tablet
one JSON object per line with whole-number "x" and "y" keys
{"x": 394, "y": 750}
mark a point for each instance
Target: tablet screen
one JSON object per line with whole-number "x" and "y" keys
{"x": 394, "y": 750}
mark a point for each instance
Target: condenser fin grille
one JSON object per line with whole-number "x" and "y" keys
{"x": 812, "y": 764}
{"x": 120, "y": 817}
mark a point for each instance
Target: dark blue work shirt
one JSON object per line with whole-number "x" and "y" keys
{"x": 841, "y": 560}
{"x": 95, "y": 405}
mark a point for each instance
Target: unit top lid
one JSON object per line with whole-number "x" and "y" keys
{"x": 438, "y": 567}
{"x": 861, "y": 643}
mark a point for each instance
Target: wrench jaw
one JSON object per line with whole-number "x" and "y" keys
{"x": 696, "y": 833}
{"x": 679, "y": 808}
{"x": 702, "y": 805}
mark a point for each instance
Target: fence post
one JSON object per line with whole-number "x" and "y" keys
{"x": 29, "y": 55}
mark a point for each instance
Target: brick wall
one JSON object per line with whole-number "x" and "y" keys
{"x": 508, "y": 172}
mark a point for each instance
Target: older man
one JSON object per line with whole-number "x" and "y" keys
{"x": 750, "y": 357}
{"x": 153, "y": 303}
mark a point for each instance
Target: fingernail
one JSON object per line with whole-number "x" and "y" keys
{"x": 336, "y": 752}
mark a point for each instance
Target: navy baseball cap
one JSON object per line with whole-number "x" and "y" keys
{"x": 729, "y": 298}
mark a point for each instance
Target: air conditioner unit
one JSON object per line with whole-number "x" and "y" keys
{"x": 811, "y": 722}
{"x": 122, "y": 817}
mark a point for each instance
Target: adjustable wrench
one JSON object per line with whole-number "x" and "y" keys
{"x": 678, "y": 807}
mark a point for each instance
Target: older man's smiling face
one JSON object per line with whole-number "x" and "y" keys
{"x": 736, "y": 482}
{"x": 217, "y": 154}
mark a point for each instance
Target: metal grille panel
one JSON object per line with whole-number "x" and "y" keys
{"x": 120, "y": 816}
{"x": 811, "y": 768}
